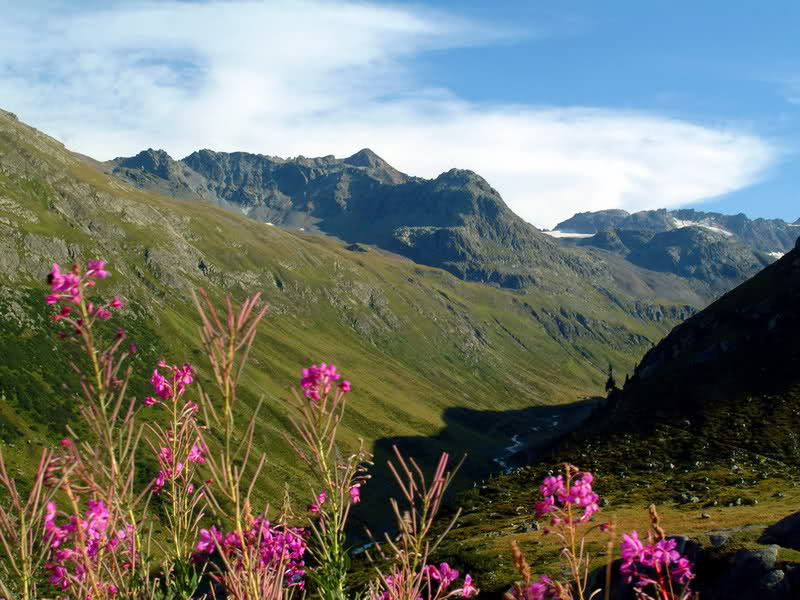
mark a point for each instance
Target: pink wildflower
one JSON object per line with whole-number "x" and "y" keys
{"x": 159, "y": 482}
{"x": 75, "y": 546}
{"x": 173, "y": 387}
{"x": 468, "y": 590}
{"x": 96, "y": 268}
{"x": 653, "y": 564}
{"x": 355, "y": 493}
{"x": 197, "y": 454}
{"x": 443, "y": 574}
{"x": 556, "y": 497}
{"x": 318, "y": 380}
{"x": 274, "y": 545}
{"x": 317, "y": 507}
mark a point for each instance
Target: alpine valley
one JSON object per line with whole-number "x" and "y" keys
{"x": 462, "y": 327}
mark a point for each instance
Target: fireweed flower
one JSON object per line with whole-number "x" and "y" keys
{"x": 468, "y": 590}
{"x": 67, "y": 289}
{"x": 197, "y": 454}
{"x": 82, "y": 545}
{"x": 276, "y": 546}
{"x": 355, "y": 493}
{"x": 173, "y": 385}
{"x": 316, "y": 508}
{"x": 443, "y": 574}
{"x": 96, "y": 268}
{"x": 317, "y": 381}
{"x": 543, "y": 589}
{"x": 557, "y": 498}
{"x": 658, "y": 564}
{"x": 569, "y": 502}
{"x": 438, "y": 582}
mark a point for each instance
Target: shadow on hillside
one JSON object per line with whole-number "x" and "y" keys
{"x": 494, "y": 441}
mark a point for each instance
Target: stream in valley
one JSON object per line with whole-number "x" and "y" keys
{"x": 531, "y": 436}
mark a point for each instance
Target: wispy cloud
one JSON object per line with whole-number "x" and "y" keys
{"x": 322, "y": 77}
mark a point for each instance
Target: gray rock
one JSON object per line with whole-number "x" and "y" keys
{"x": 793, "y": 577}
{"x": 527, "y": 527}
{"x": 785, "y": 532}
{"x": 776, "y": 586}
{"x": 756, "y": 562}
{"x": 718, "y": 539}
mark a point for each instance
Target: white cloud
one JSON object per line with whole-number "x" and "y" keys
{"x": 319, "y": 77}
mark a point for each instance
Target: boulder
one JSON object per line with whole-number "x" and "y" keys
{"x": 756, "y": 562}
{"x": 785, "y": 532}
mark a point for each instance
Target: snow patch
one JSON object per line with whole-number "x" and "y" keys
{"x": 680, "y": 224}
{"x": 776, "y": 255}
{"x": 567, "y": 234}
{"x": 273, "y": 224}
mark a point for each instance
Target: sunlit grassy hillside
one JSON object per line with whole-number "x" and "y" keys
{"x": 414, "y": 340}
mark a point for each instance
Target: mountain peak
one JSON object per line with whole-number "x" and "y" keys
{"x": 461, "y": 177}
{"x": 152, "y": 161}
{"x": 366, "y": 158}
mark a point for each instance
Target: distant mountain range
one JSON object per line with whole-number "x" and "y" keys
{"x": 458, "y": 222}
{"x": 715, "y": 249}
{"x": 773, "y": 236}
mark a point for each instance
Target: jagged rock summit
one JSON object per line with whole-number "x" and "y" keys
{"x": 157, "y": 162}
{"x": 456, "y": 221}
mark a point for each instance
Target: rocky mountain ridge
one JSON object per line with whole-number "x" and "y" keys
{"x": 715, "y": 250}
{"x": 692, "y": 252}
{"x": 456, "y": 221}
{"x": 763, "y": 235}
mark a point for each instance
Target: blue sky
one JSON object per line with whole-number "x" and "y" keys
{"x": 712, "y": 62}
{"x": 563, "y": 106}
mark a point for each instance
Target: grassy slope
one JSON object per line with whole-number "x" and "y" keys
{"x": 414, "y": 340}
{"x": 708, "y": 424}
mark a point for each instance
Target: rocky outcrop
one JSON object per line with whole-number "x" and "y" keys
{"x": 785, "y": 532}
{"x": 722, "y": 573}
